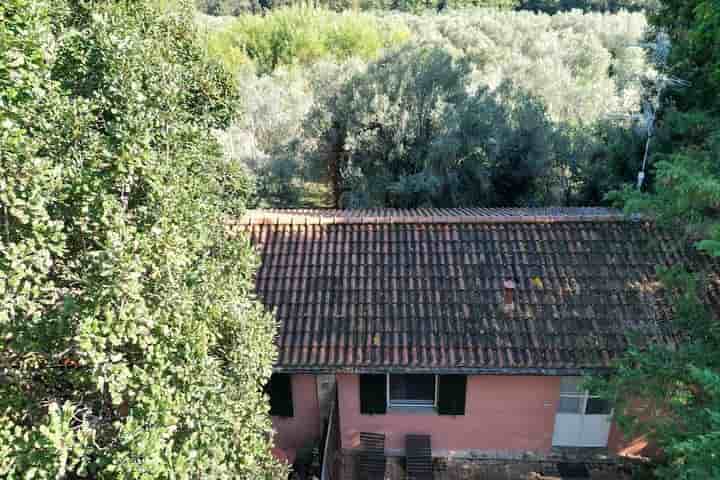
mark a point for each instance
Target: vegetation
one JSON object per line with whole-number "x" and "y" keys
{"x": 682, "y": 386}
{"x": 132, "y": 347}
{"x": 555, "y": 6}
{"x": 240, "y": 7}
{"x": 403, "y": 118}
{"x": 405, "y": 133}
{"x": 301, "y": 36}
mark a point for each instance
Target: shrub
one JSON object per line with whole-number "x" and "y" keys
{"x": 303, "y": 35}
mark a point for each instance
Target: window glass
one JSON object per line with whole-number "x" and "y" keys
{"x": 570, "y": 405}
{"x": 570, "y": 385}
{"x": 597, "y": 406}
{"x": 412, "y": 389}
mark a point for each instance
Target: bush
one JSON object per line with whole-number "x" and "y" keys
{"x": 303, "y": 35}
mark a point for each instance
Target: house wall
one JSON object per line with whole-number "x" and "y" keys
{"x": 293, "y": 433}
{"x": 502, "y": 413}
{"x": 616, "y": 441}
{"x": 637, "y": 446}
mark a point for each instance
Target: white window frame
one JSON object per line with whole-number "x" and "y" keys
{"x": 584, "y": 396}
{"x": 577, "y": 428}
{"x": 400, "y": 405}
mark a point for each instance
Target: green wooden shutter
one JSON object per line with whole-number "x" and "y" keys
{"x": 373, "y": 394}
{"x": 279, "y": 389}
{"x": 451, "y": 394}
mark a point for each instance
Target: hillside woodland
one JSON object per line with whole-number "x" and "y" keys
{"x": 240, "y": 7}
{"x": 478, "y": 107}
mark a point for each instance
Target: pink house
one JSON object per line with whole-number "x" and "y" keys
{"x": 470, "y": 327}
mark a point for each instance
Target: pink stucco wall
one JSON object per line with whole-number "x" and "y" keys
{"x": 513, "y": 413}
{"x": 637, "y": 446}
{"x": 292, "y": 433}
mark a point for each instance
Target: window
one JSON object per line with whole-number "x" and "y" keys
{"x": 597, "y": 406}
{"x": 413, "y": 390}
{"x": 373, "y": 394}
{"x": 444, "y": 394}
{"x": 582, "y": 420}
{"x": 279, "y": 389}
{"x": 575, "y": 400}
{"x": 452, "y": 390}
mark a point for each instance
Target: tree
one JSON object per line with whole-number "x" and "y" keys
{"x": 405, "y": 133}
{"x": 684, "y": 197}
{"x": 560, "y": 104}
{"x": 132, "y": 345}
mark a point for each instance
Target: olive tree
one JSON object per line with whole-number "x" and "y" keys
{"x": 409, "y": 131}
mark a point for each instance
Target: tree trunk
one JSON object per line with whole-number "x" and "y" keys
{"x": 336, "y": 157}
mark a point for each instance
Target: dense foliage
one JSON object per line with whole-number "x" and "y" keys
{"x": 239, "y": 7}
{"x": 555, "y": 6}
{"x": 683, "y": 386}
{"x": 301, "y": 36}
{"x": 405, "y": 120}
{"x": 132, "y": 347}
{"x": 405, "y": 133}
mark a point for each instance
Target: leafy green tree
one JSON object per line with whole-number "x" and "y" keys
{"x": 571, "y": 88}
{"x": 406, "y": 133}
{"x": 132, "y": 347}
{"x": 682, "y": 386}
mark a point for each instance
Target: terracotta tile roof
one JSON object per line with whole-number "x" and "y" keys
{"x": 430, "y": 215}
{"x": 398, "y": 290}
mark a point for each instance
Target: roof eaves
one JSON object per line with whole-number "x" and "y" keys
{"x": 319, "y": 217}
{"x": 536, "y": 371}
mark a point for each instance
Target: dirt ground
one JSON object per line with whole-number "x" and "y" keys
{"x": 464, "y": 469}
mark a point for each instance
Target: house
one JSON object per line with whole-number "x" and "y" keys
{"x": 472, "y": 326}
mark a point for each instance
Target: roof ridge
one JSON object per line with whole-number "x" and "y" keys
{"x": 431, "y": 215}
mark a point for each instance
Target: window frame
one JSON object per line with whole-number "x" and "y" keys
{"x": 390, "y": 405}
{"x": 584, "y": 397}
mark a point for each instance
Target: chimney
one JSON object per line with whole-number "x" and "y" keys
{"x": 509, "y": 294}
